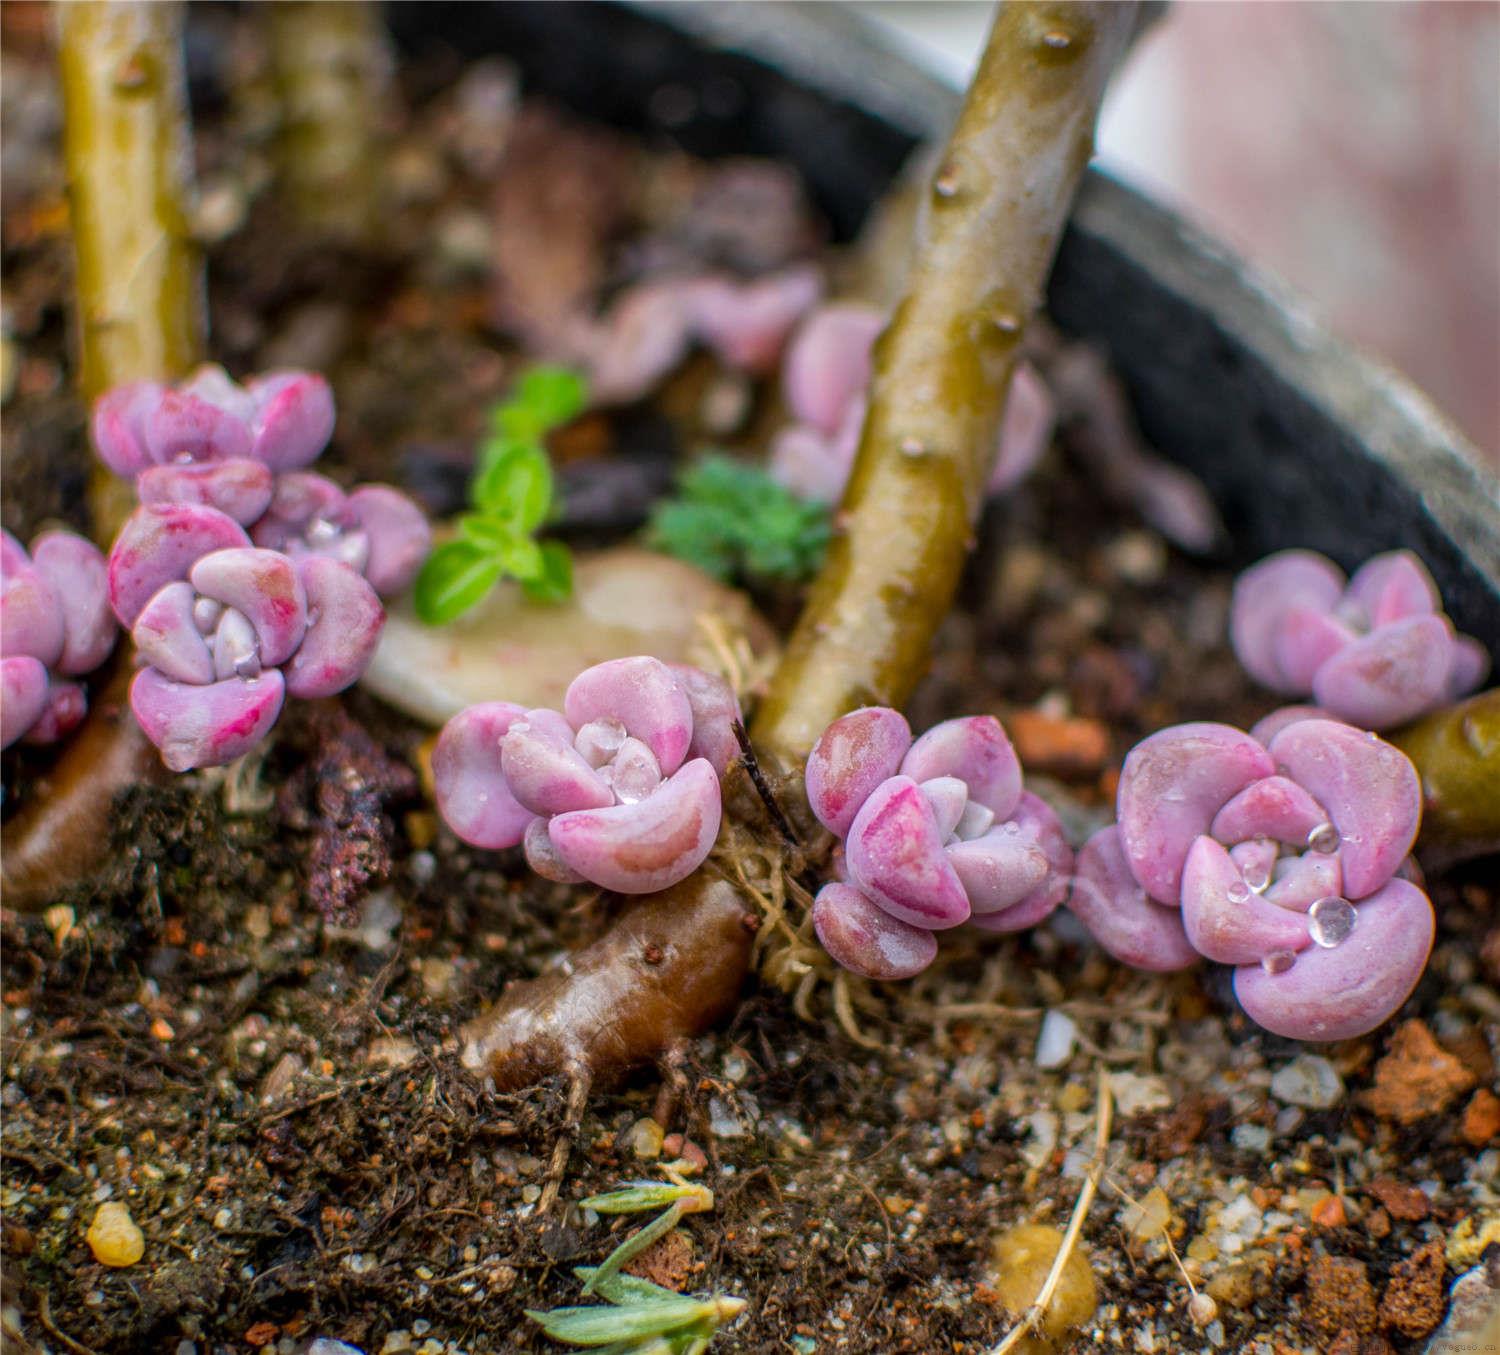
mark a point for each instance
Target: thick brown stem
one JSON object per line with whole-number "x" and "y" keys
{"x": 942, "y": 368}
{"x": 127, "y": 148}
{"x": 60, "y": 835}
{"x": 670, "y": 965}
{"x": 332, "y": 70}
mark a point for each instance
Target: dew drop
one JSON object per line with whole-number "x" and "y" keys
{"x": 1278, "y": 961}
{"x": 321, "y": 532}
{"x": 1238, "y": 892}
{"x": 1330, "y": 920}
{"x": 1324, "y": 838}
{"x": 1257, "y": 878}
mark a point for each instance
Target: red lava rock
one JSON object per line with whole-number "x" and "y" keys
{"x": 1339, "y": 1296}
{"x": 1481, "y": 1122}
{"x": 1413, "y": 1300}
{"x": 1330, "y": 1213}
{"x": 1416, "y": 1078}
{"x": 1378, "y": 1225}
{"x": 1057, "y": 744}
{"x": 676, "y": 1146}
{"x": 1401, "y": 1201}
{"x": 667, "y": 1262}
{"x": 262, "y": 1334}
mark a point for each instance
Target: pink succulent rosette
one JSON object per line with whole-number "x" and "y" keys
{"x": 651, "y": 327}
{"x": 825, "y": 375}
{"x": 1282, "y": 852}
{"x": 225, "y": 631}
{"x": 374, "y": 529}
{"x": 620, "y": 788}
{"x": 281, "y": 420}
{"x": 935, "y": 833}
{"x": 239, "y": 449}
{"x": 55, "y": 626}
{"x": 1375, "y": 650}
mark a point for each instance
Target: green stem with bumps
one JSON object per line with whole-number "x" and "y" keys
{"x": 986, "y": 240}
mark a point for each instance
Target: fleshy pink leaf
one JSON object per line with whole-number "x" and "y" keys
{"x": 716, "y": 710}
{"x": 1120, "y": 915}
{"x": 643, "y": 695}
{"x": 548, "y": 776}
{"x": 542, "y": 856}
{"x": 293, "y": 419}
{"x": 1172, "y": 786}
{"x": 1037, "y": 822}
{"x": 1302, "y": 880}
{"x": 1392, "y": 587}
{"x": 747, "y": 324}
{"x": 1304, "y": 641}
{"x": 827, "y": 365}
{"x": 62, "y": 712}
{"x": 159, "y": 544}
{"x": 977, "y": 751}
{"x": 1225, "y": 920}
{"x": 865, "y": 939}
{"x": 344, "y": 621}
{"x": 1274, "y": 808}
{"x": 399, "y": 535}
{"x": 117, "y": 426}
{"x": 31, "y": 621}
{"x": 651, "y": 845}
{"x": 75, "y": 571}
{"x": 1370, "y": 790}
{"x": 895, "y": 855}
{"x": 208, "y": 726}
{"x": 167, "y": 637}
{"x": 1025, "y": 429}
{"x": 851, "y": 757}
{"x": 469, "y": 786}
{"x": 1262, "y": 596}
{"x": 263, "y": 586}
{"x": 999, "y": 869}
{"x": 180, "y": 427}
{"x": 240, "y": 488}
{"x": 1394, "y": 674}
{"x": 1348, "y": 990}
{"x": 23, "y": 695}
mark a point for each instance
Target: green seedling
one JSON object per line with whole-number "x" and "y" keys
{"x": 511, "y": 496}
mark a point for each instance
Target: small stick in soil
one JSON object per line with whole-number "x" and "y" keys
{"x": 942, "y": 369}
{"x": 1038, "y": 1309}
{"x": 762, "y": 786}
{"x": 138, "y": 279}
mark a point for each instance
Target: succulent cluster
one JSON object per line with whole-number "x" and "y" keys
{"x": 652, "y": 326}
{"x": 55, "y": 626}
{"x": 619, "y": 788}
{"x": 1375, "y": 649}
{"x": 824, "y": 377}
{"x": 1283, "y": 852}
{"x": 242, "y": 577}
{"x": 934, "y": 833}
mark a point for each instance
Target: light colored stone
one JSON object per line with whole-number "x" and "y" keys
{"x": 625, "y": 601}
{"x": 1310, "y": 1081}
{"x": 1056, "y": 1040}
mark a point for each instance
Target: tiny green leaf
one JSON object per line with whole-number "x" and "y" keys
{"x": 555, "y": 581}
{"x": 455, "y": 577}
{"x": 602, "y": 1325}
{"x": 543, "y": 399}
{"x": 626, "y": 1289}
{"x": 514, "y": 483}
{"x": 732, "y": 519}
{"x": 489, "y": 533}
{"x": 637, "y": 1197}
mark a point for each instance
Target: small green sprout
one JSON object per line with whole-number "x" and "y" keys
{"x": 511, "y": 495}
{"x": 732, "y": 520}
{"x": 637, "y": 1316}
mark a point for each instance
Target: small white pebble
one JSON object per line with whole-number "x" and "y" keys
{"x": 1056, "y": 1040}
{"x": 1308, "y": 1080}
{"x": 1251, "y": 1138}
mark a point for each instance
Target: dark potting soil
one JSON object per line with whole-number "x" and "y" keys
{"x": 276, "y": 1098}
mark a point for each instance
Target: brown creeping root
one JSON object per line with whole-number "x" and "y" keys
{"x": 668, "y": 967}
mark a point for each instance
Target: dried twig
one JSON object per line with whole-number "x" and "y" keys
{"x": 1038, "y": 1309}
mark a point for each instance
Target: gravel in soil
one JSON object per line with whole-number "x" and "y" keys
{"x": 274, "y": 1096}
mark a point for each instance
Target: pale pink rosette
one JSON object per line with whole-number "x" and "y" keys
{"x": 55, "y": 627}
{"x": 1375, "y": 650}
{"x": 1285, "y": 858}
{"x": 936, "y": 833}
{"x": 620, "y": 788}
{"x": 824, "y": 379}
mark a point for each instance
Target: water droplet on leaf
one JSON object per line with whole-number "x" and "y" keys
{"x": 1330, "y": 920}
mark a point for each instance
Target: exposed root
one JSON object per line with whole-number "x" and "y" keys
{"x": 1038, "y": 1309}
